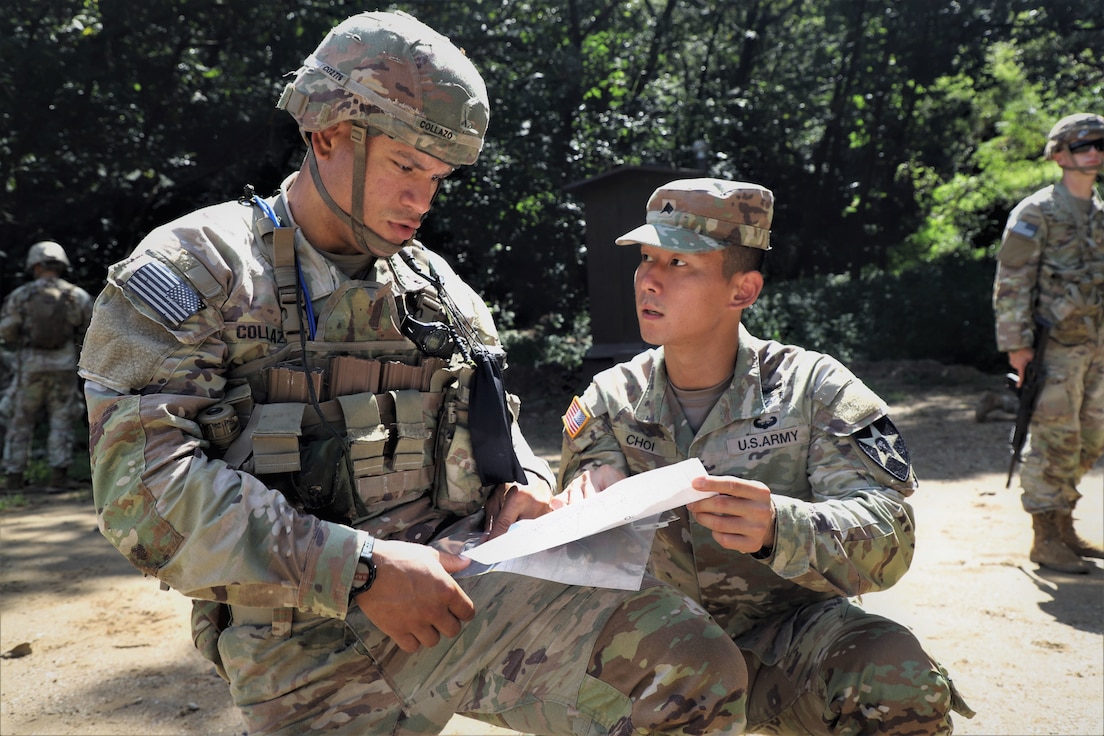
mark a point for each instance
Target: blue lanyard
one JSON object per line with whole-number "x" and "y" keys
{"x": 270, "y": 213}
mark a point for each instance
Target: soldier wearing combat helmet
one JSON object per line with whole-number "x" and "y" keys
{"x": 292, "y": 426}
{"x": 1074, "y": 133}
{"x": 376, "y": 73}
{"x": 43, "y": 323}
{"x": 1050, "y": 271}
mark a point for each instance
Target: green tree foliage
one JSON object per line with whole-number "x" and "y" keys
{"x": 938, "y": 310}
{"x": 1051, "y": 65}
{"x": 120, "y": 115}
{"x": 893, "y": 132}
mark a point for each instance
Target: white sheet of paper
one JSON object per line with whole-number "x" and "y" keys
{"x": 632, "y": 498}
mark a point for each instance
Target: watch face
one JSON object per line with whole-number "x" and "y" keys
{"x": 365, "y": 573}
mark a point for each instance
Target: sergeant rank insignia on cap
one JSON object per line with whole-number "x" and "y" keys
{"x": 884, "y": 445}
{"x": 576, "y": 418}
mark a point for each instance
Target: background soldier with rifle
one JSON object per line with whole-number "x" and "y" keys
{"x": 1051, "y": 268}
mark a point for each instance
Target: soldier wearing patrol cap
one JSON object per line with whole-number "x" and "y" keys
{"x": 283, "y": 400}
{"x": 1050, "y": 268}
{"x": 810, "y": 474}
{"x": 43, "y": 323}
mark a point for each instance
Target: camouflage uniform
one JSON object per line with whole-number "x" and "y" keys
{"x": 799, "y": 422}
{"x": 1051, "y": 266}
{"x": 7, "y": 388}
{"x": 200, "y": 324}
{"x": 839, "y": 473}
{"x": 45, "y": 380}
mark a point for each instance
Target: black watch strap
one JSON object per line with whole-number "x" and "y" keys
{"x": 365, "y": 573}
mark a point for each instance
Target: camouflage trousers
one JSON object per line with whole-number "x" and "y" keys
{"x": 1066, "y": 436}
{"x": 849, "y": 672}
{"x": 539, "y": 657}
{"x": 49, "y": 393}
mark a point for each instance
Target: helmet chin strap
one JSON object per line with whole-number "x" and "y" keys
{"x": 366, "y": 240}
{"x": 1085, "y": 169}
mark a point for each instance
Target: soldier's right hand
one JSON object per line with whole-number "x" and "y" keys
{"x": 414, "y": 599}
{"x": 1019, "y": 359}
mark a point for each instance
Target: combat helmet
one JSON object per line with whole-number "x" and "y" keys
{"x": 46, "y": 251}
{"x": 395, "y": 75}
{"x": 1072, "y": 128}
{"x": 388, "y": 74}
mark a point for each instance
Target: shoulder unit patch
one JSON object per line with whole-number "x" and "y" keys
{"x": 883, "y": 444}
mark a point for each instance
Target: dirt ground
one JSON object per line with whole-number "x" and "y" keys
{"x": 92, "y": 647}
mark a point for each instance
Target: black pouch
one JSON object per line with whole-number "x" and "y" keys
{"x": 489, "y": 423}
{"x": 324, "y": 487}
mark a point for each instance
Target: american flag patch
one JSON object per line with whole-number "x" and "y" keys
{"x": 1025, "y": 229}
{"x": 169, "y": 295}
{"x": 576, "y": 418}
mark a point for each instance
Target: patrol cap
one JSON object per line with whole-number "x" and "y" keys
{"x": 703, "y": 215}
{"x": 395, "y": 75}
{"x": 1081, "y": 126}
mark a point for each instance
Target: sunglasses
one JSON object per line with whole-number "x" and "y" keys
{"x": 1083, "y": 146}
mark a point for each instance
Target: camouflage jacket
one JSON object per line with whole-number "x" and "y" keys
{"x": 13, "y": 329}
{"x": 1050, "y": 265}
{"x": 802, "y": 424}
{"x": 189, "y": 320}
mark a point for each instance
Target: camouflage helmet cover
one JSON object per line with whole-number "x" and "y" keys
{"x": 46, "y": 251}
{"x": 393, "y": 73}
{"x": 702, "y": 215}
{"x": 1079, "y": 126}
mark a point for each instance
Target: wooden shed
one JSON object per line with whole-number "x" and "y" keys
{"x": 614, "y": 204}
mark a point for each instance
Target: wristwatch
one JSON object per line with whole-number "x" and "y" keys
{"x": 365, "y": 573}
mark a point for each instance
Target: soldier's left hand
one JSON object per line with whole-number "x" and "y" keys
{"x": 741, "y": 515}
{"x": 589, "y": 483}
{"x": 513, "y": 501}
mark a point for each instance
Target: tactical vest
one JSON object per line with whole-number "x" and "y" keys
{"x": 46, "y": 317}
{"x": 355, "y": 424}
{"x": 1071, "y": 272}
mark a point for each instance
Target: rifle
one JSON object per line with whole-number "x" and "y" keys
{"x": 1028, "y": 391}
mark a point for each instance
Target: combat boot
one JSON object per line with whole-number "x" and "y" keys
{"x": 1048, "y": 550}
{"x": 1070, "y": 538}
{"x": 989, "y": 401}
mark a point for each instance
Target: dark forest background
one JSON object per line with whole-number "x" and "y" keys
{"x": 895, "y": 135}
